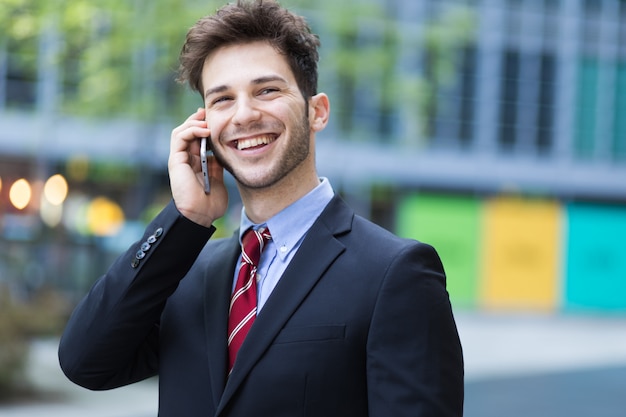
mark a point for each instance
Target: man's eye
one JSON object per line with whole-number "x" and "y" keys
{"x": 269, "y": 90}
{"x": 219, "y": 100}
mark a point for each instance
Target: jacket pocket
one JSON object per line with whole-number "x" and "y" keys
{"x": 311, "y": 334}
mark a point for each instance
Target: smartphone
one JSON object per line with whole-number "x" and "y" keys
{"x": 204, "y": 163}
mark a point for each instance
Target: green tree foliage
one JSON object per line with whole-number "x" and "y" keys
{"x": 113, "y": 57}
{"x": 40, "y": 316}
{"x": 364, "y": 45}
{"x": 119, "y": 57}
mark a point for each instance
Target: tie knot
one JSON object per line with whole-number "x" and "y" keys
{"x": 253, "y": 243}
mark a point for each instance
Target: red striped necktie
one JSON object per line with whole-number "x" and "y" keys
{"x": 243, "y": 303}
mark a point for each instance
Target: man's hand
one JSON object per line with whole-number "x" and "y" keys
{"x": 186, "y": 178}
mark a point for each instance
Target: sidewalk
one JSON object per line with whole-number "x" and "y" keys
{"x": 554, "y": 366}
{"x": 138, "y": 400}
{"x": 516, "y": 365}
{"x": 497, "y": 345}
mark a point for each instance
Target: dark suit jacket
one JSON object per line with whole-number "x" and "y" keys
{"x": 360, "y": 324}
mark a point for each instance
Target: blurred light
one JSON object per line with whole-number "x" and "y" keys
{"x": 0, "y": 183}
{"x": 74, "y": 216}
{"x": 51, "y": 214}
{"x": 20, "y": 194}
{"x": 55, "y": 190}
{"x": 104, "y": 217}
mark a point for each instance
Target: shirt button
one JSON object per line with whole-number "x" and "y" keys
{"x": 283, "y": 249}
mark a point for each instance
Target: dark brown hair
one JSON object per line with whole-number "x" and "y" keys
{"x": 249, "y": 21}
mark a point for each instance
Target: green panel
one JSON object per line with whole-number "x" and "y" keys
{"x": 596, "y": 261}
{"x": 451, "y": 225}
{"x": 586, "y": 108}
{"x": 619, "y": 138}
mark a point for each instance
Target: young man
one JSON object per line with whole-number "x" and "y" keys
{"x": 338, "y": 317}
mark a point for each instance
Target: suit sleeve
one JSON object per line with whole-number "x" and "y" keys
{"x": 111, "y": 338}
{"x": 414, "y": 355}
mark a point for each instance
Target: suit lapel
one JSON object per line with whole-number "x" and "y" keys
{"x": 300, "y": 277}
{"x": 218, "y": 281}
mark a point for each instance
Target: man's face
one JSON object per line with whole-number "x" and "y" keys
{"x": 259, "y": 127}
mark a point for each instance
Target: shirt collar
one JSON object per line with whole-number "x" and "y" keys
{"x": 289, "y": 226}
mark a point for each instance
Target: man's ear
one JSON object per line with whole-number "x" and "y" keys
{"x": 319, "y": 111}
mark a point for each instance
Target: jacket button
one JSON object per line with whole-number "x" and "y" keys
{"x": 151, "y": 239}
{"x": 158, "y": 232}
{"x": 140, "y": 254}
{"x": 145, "y": 246}
{"x": 135, "y": 263}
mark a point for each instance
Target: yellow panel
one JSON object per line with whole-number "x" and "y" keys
{"x": 521, "y": 264}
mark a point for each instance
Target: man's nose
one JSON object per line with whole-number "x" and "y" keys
{"x": 245, "y": 111}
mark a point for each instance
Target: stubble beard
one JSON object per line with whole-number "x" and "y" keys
{"x": 295, "y": 154}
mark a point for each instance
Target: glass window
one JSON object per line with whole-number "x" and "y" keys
{"x": 545, "y": 108}
{"x": 587, "y": 98}
{"x": 619, "y": 130}
{"x": 468, "y": 96}
{"x": 21, "y": 74}
{"x": 508, "y": 99}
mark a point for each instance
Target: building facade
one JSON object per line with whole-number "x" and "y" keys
{"x": 524, "y": 148}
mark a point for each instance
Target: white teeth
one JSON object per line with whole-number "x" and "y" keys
{"x": 250, "y": 143}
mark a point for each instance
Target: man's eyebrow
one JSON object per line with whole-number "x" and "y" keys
{"x": 256, "y": 81}
{"x": 269, "y": 78}
{"x": 215, "y": 90}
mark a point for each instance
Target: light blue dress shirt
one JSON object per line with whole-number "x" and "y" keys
{"x": 288, "y": 229}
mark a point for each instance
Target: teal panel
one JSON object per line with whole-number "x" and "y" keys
{"x": 596, "y": 258}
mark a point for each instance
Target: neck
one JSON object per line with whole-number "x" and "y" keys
{"x": 263, "y": 203}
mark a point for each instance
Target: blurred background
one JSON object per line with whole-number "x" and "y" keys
{"x": 493, "y": 129}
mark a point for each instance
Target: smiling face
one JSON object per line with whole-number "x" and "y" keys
{"x": 260, "y": 129}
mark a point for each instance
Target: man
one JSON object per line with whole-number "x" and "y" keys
{"x": 338, "y": 317}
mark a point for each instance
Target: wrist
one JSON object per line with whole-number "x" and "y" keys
{"x": 201, "y": 219}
